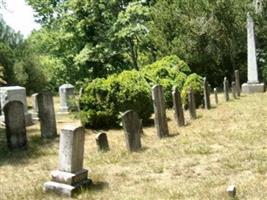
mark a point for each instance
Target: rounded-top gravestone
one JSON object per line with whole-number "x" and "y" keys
{"x": 66, "y": 94}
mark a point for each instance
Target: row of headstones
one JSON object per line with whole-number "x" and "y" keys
{"x": 71, "y": 176}
{"x": 15, "y": 120}
{"x": 132, "y": 124}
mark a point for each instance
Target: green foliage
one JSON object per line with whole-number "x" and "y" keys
{"x": 168, "y": 72}
{"x": 105, "y": 99}
{"x": 195, "y": 82}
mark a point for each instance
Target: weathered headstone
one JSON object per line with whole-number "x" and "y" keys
{"x": 216, "y": 95}
{"x": 15, "y": 93}
{"x": 66, "y": 94}
{"x": 102, "y": 142}
{"x": 131, "y": 127}
{"x": 234, "y": 90}
{"x": 160, "y": 119}
{"x": 226, "y": 89}
{"x": 206, "y": 92}
{"x": 231, "y": 190}
{"x": 192, "y": 104}
{"x": 34, "y": 103}
{"x": 15, "y": 125}
{"x": 70, "y": 176}
{"x": 253, "y": 84}
{"x": 46, "y": 115}
{"x": 177, "y": 107}
{"x": 237, "y": 82}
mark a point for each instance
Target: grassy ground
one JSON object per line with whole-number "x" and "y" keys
{"x": 226, "y": 145}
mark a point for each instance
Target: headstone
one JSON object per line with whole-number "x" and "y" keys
{"x": 66, "y": 94}
{"x": 253, "y": 84}
{"x": 177, "y": 107}
{"x": 216, "y": 95}
{"x": 234, "y": 90}
{"x": 192, "y": 104}
{"x": 237, "y": 82}
{"x": 71, "y": 175}
{"x": 46, "y": 115}
{"x": 15, "y": 125}
{"x": 102, "y": 142}
{"x": 34, "y": 103}
{"x": 231, "y": 190}
{"x": 206, "y": 92}
{"x": 226, "y": 89}
{"x": 131, "y": 127}
{"x": 160, "y": 119}
{"x": 15, "y": 93}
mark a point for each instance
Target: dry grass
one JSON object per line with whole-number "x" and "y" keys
{"x": 226, "y": 145}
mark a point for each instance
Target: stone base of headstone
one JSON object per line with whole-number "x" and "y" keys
{"x": 253, "y": 87}
{"x": 65, "y": 183}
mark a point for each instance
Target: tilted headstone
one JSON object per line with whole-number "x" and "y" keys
{"x": 160, "y": 119}
{"x": 70, "y": 175}
{"x": 15, "y": 93}
{"x": 66, "y": 94}
{"x": 206, "y": 92}
{"x": 102, "y": 142}
{"x": 15, "y": 125}
{"x": 192, "y": 104}
{"x": 253, "y": 84}
{"x": 226, "y": 89}
{"x": 177, "y": 107}
{"x": 237, "y": 82}
{"x": 216, "y": 95}
{"x": 234, "y": 90}
{"x": 46, "y": 115}
{"x": 131, "y": 127}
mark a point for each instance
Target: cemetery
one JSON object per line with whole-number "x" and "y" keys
{"x": 168, "y": 125}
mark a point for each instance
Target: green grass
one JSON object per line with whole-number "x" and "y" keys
{"x": 225, "y": 145}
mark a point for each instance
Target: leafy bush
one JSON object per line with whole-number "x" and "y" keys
{"x": 105, "y": 99}
{"x": 195, "y": 82}
{"x": 170, "y": 71}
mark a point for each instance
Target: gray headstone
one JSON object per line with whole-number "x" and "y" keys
{"x": 237, "y": 82}
{"x": 226, "y": 89}
{"x": 15, "y": 93}
{"x": 177, "y": 107}
{"x": 216, "y": 95}
{"x": 192, "y": 104}
{"x": 46, "y": 115}
{"x": 70, "y": 176}
{"x": 160, "y": 119}
{"x": 231, "y": 190}
{"x": 131, "y": 127}
{"x": 34, "y": 102}
{"x": 66, "y": 94}
{"x": 234, "y": 90}
{"x": 206, "y": 92}
{"x": 15, "y": 125}
{"x": 102, "y": 142}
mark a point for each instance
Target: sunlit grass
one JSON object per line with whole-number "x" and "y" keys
{"x": 225, "y": 145}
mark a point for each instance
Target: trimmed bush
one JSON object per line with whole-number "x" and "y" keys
{"x": 105, "y": 99}
{"x": 195, "y": 82}
{"x": 170, "y": 71}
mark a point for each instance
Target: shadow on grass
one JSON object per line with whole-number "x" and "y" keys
{"x": 22, "y": 156}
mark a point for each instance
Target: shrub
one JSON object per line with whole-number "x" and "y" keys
{"x": 105, "y": 99}
{"x": 195, "y": 82}
{"x": 170, "y": 71}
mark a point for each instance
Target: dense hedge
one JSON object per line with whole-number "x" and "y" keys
{"x": 170, "y": 71}
{"x": 105, "y": 99}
